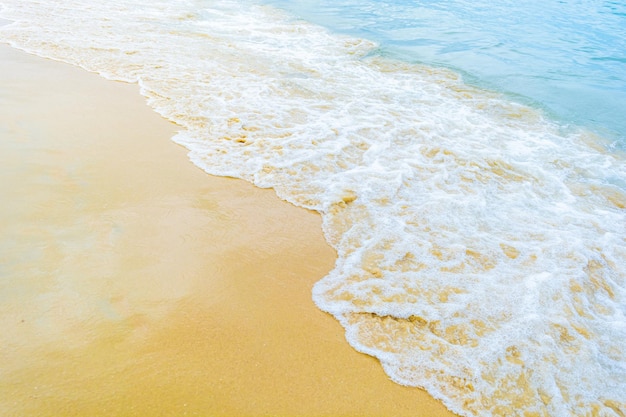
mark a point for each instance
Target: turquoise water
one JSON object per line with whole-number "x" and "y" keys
{"x": 565, "y": 57}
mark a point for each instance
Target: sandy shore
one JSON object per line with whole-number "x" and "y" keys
{"x": 133, "y": 284}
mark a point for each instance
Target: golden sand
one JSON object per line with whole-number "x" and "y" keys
{"x": 133, "y": 284}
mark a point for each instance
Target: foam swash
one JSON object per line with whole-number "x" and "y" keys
{"x": 481, "y": 246}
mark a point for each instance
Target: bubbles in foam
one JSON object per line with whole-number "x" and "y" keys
{"x": 481, "y": 248}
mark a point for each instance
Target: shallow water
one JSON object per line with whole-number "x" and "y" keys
{"x": 566, "y": 57}
{"x": 481, "y": 246}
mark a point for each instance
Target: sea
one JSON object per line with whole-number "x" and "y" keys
{"x": 468, "y": 160}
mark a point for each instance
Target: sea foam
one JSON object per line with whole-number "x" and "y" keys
{"x": 481, "y": 247}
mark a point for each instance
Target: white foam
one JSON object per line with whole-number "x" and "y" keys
{"x": 481, "y": 248}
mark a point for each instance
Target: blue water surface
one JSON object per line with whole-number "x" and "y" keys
{"x": 567, "y": 57}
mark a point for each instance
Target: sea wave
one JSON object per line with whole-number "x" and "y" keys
{"x": 481, "y": 246}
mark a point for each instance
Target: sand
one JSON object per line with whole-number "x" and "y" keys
{"x": 134, "y": 284}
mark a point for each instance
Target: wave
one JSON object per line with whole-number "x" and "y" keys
{"x": 481, "y": 246}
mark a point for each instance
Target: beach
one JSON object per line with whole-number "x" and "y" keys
{"x": 135, "y": 284}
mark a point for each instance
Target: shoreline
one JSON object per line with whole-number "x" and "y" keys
{"x": 139, "y": 285}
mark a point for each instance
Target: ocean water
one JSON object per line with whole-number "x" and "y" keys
{"x": 567, "y": 58}
{"x": 481, "y": 239}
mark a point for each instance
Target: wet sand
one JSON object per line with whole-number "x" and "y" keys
{"x": 133, "y": 284}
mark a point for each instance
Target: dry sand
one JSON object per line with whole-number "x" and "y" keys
{"x": 133, "y": 284}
